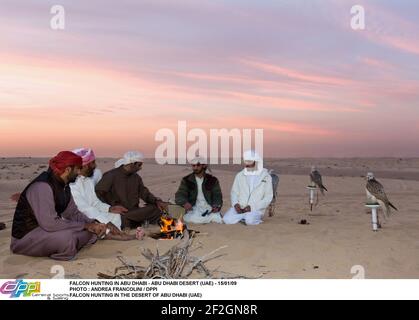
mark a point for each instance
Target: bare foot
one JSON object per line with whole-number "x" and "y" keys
{"x": 116, "y": 234}
{"x": 139, "y": 233}
{"x": 120, "y": 237}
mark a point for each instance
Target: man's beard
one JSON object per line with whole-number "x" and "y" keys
{"x": 72, "y": 178}
{"x": 133, "y": 171}
{"x": 90, "y": 173}
{"x": 199, "y": 171}
{"x": 251, "y": 168}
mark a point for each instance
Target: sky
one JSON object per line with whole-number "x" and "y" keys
{"x": 121, "y": 71}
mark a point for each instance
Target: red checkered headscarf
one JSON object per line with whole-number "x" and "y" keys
{"x": 64, "y": 159}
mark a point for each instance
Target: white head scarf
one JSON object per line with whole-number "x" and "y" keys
{"x": 130, "y": 157}
{"x": 86, "y": 154}
{"x": 251, "y": 155}
{"x": 197, "y": 160}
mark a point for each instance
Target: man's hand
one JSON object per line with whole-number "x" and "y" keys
{"x": 98, "y": 229}
{"x": 238, "y": 208}
{"x": 247, "y": 209}
{"x": 118, "y": 209}
{"x": 215, "y": 209}
{"x": 114, "y": 230}
{"x": 163, "y": 206}
{"x": 187, "y": 206}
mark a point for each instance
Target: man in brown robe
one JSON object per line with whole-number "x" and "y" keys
{"x": 47, "y": 222}
{"x": 122, "y": 186}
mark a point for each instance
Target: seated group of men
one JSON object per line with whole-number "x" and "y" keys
{"x": 72, "y": 205}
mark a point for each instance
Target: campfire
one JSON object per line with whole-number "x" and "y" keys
{"x": 170, "y": 229}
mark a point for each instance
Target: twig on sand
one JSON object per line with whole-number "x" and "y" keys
{"x": 129, "y": 266}
{"x": 176, "y": 263}
{"x": 201, "y": 260}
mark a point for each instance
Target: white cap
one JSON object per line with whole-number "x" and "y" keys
{"x": 130, "y": 157}
{"x": 251, "y": 155}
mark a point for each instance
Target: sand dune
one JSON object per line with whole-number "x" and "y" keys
{"x": 337, "y": 237}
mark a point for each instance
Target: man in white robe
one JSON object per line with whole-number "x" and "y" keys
{"x": 83, "y": 192}
{"x": 251, "y": 193}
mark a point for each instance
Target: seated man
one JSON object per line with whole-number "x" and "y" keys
{"x": 200, "y": 194}
{"x": 83, "y": 192}
{"x": 251, "y": 193}
{"x": 122, "y": 186}
{"x": 46, "y": 222}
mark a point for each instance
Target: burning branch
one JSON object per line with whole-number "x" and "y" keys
{"x": 170, "y": 229}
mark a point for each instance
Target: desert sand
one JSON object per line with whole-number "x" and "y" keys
{"x": 338, "y": 236}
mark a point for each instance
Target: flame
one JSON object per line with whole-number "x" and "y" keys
{"x": 180, "y": 226}
{"x": 171, "y": 228}
{"x": 167, "y": 224}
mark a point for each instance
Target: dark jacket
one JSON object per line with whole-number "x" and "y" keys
{"x": 188, "y": 191}
{"x": 24, "y": 220}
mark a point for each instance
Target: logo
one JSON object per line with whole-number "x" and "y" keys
{"x": 20, "y": 288}
{"x": 220, "y": 146}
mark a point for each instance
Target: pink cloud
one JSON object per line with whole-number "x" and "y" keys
{"x": 281, "y": 126}
{"x": 270, "y": 102}
{"x": 376, "y": 63}
{"x": 410, "y": 45}
{"x": 255, "y": 82}
{"x": 295, "y": 74}
{"x": 385, "y": 27}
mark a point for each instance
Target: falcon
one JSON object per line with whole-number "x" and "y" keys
{"x": 316, "y": 178}
{"x": 376, "y": 194}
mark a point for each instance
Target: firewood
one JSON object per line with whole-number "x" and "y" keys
{"x": 176, "y": 263}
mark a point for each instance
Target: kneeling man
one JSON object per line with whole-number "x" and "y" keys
{"x": 200, "y": 194}
{"x": 251, "y": 193}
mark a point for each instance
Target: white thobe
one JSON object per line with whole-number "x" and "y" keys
{"x": 201, "y": 211}
{"x": 253, "y": 190}
{"x": 84, "y": 195}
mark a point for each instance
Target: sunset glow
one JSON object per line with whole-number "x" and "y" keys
{"x": 121, "y": 71}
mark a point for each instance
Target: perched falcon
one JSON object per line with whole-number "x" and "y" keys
{"x": 376, "y": 194}
{"x": 316, "y": 178}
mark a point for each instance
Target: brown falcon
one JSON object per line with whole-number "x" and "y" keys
{"x": 317, "y": 179}
{"x": 376, "y": 194}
